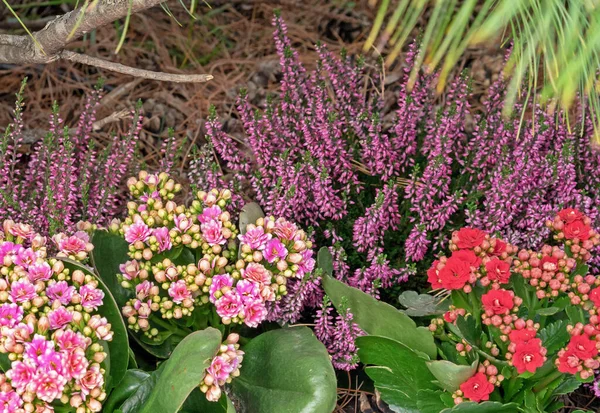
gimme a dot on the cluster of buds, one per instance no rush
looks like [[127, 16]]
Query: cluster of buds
[[480, 385], [223, 368], [501, 307], [548, 270], [49, 325], [574, 229], [580, 357]]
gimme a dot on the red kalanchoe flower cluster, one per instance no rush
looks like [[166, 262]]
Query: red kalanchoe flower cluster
[[526, 352], [581, 354]]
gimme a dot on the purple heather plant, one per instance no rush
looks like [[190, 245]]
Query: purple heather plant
[[65, 178]]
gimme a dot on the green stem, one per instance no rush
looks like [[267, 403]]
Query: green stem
[[546, 381]]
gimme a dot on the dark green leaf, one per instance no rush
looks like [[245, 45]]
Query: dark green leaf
[[178, 376], [429, 401], [286, 371], [420, 305], [569, 385], [484, 407], [547, 311], [110, 251], [131, 382], [469, 329], [450, 375], [325, 261], [555, 336], [380, 319], [397, 371], [197, 403]]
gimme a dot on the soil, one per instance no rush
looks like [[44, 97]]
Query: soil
[[231, 40]]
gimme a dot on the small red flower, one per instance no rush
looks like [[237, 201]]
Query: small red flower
[[469, 238], [568, 362], [498, 270], [499, 246], [522, 336], [433, 276], [548, 263], [570, 215], [498, 301], [528, 356], [583, 347], [595, 296], [468, 256], [577, 229], [477, 388], [455, 274]]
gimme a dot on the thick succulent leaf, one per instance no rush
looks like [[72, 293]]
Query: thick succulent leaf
[[133, 379], [484, 407], [450, 375], [285, 371], [420, 305], [168, 388], [118, 347], [397, 371], [325, 261], [380, 319], [110, 251]]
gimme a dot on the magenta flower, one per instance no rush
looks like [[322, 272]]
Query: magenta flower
[[137, 231], [69, 340], [211, 231], [254, 313], [10, 402], [275, 250], [38, 347], [286, 230], [218, 282], [182, 223], [59, 318], [220, 368], [10, 250], [179, 292], [257, 273], [229, 305], [76, 363], [142, 290], [130, 270], [60, 291], [210, 214], [255, 238], [10, 315], [41, 271], [48, 386], [25, 257], [20, 374], [91, 297], [73, 244], [307, 265], [21, 291], [248, 291], [163, 239]]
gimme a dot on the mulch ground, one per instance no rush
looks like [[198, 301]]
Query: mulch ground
[[231, 40]]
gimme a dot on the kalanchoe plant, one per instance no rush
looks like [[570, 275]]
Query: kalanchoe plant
[[522, 327], [54, 339]]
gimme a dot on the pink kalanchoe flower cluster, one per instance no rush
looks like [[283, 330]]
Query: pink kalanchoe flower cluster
[[50, 328], [224, 367]]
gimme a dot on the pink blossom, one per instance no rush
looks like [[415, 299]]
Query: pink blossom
[[91, 297], [255, 238], [10, 402], [178, 291], [10, 315], [307, 265], [38, 347], [52, 361], [182, 223], [48, 386], [142, 290], [286, 230], [229, 305], [257, 273], [69, 340], [22, 291], [25, 257], [101, 326], [21, 373], [275, 250], [137, 231], [37, 272], [211, 231], [218, 282], [130, 270], [8, 249], [248, 291], [21, 230], [91, 380], [59, 318], [254, 313], [210, 214], [71, 245], [163, 239], [76, 363], [61, 291], [220, 368]]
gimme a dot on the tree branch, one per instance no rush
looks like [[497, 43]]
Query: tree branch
[[132, 71], [48, 44]]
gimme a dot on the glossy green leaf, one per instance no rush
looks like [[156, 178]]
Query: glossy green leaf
[[450, 375], [484, 407], [397, 371], [555, 336], [420, 305], [547, 311], [569, 385], [118, 347], [110, 251], [380, 319], [131, 382], [197, 403], [429, 401], [286, 371], [325, 261]]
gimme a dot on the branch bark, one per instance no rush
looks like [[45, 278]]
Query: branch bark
[[48, 44]]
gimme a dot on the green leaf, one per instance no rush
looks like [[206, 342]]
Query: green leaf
[[429, 401], [484, 407], [169, 387], [469, 329], [547, 311], [286, 370], [249, 214], [118, 347], [575, 314], [380, 319], [567, 386], [132, 380], [197, 402], [451, 375], [554, 336], [325, 261], [398, 372], [420, 305], [5, 362], [110, 251]]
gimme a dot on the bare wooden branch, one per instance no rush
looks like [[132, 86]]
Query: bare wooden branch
[[132, 71]]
